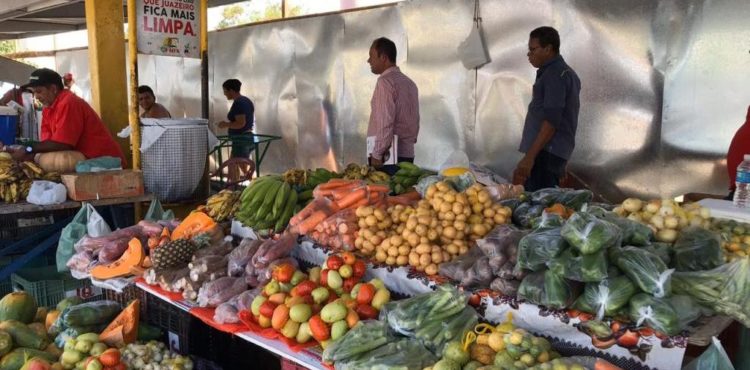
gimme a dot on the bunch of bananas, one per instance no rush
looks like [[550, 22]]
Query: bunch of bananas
[[295, 176], [16, 178], [222, 206], [319, 176], [268, 203], [354, 171], [407, 176]]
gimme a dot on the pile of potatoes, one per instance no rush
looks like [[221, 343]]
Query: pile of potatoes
[[439, 228]]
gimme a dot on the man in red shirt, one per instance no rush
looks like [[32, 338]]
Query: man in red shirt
[[737, 149], [68, 122]]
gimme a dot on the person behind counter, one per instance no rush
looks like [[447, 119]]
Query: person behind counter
[[549, 132], [68, 122], [241, 118], [147, 101], [394, 107]]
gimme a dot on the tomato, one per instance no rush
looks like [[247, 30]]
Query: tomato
[[366, 312], [334, 262], [110, 357], [324, 278], [283, 273], [365, 294], [349, 283], [359, 269], [348, 257]]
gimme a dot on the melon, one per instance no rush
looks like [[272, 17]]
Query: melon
[[19, 306], [124, 328]]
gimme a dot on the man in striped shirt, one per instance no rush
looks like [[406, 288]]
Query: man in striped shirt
[[394, 107]]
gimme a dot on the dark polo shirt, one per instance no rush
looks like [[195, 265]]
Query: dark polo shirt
[[555, 99]]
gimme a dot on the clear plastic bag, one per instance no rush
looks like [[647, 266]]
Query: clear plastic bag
[[575, 199], [633, 232], [501, 241], [537, 249], [457, 269], [241, 256], [645, 269], [585, 362], [547, 221], [607, 297], [697, 249], [549, 289], [547, 196], [687, 310], [587, 268], [525, 213], [657, 313], [589, 234], [714, 358], [46, 193], [338, 230], [403, 354], [504, 191], [220, 290]]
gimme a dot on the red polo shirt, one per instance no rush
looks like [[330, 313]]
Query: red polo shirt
[[70, 120], [737, 149]]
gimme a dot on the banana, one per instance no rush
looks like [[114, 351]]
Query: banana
[[278, 204], [270, 197]]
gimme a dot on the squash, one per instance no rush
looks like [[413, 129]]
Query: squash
[[38, 328], [124, 328], [196, 223], [19, 306], [41, 314], [61, 162], [133, 257]]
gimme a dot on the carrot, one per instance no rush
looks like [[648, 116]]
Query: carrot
[[360, 203], [343, 191], [379, 188], [333, 184], [309, 223], [413, 195], [304, 213], [352, 198]]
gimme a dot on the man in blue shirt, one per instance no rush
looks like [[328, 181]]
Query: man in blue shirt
[[549, 131], [241, 118]]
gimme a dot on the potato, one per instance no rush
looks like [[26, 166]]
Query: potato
[[439, 230], [442, 186], [390, 260], [478, 229], [380, 256], [475, 219], [449, 197], [371, 220], [421, 230], [500, 219], [402, 260], [460, 235], [431, 269], [452, 248], [379, 214], [449, 232], [423, 240], [445, 223], [483, 196], [412, 223], [446, 256], [462, 198], [471, 191], [385, 224], [366, 233], [458, 208], [488, 213], [404, 250], [450, 216], [434, 222], [375, 240], [424, 220], [477, 208], [432, 235], [404, 217], [413, 239], [463, 249], [400, 229], [423, 249], [414, 258], [419, 268], [459, 225], [436, 257], [425, 259], [365, 211], [445, 207], [381, 234], [393, 251], [437, 203], [397, 240], [368, 245], [430, 191]]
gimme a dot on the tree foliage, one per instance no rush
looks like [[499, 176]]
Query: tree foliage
[[237, 14], [7, 47]]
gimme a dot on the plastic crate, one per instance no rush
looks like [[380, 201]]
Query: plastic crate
[[130, 293], [203, 364], [175, 322], [49, 287], [14, 227]]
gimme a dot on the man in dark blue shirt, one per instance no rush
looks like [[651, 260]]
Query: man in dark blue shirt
[[549, 131], [241, 118]]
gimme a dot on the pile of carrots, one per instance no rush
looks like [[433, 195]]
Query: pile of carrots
[[334, 196], [338, 231]]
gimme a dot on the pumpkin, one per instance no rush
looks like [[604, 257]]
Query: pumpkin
[[196, 223], [19, 306], [51, 318], [133, 257], [61, 162], [124, 328]]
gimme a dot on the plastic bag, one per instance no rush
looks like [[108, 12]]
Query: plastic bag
[[472, 51], [480, 274], [697, 249], [654, 312], [80, 264], [662, 250], [46, 193], [549, 289], [547, 221], [220, 290], [687, 310], [607, 297], [156, 212], [99, 164], [575, 199], [633, 232], [589, 234], [587, 268], [457, 269], [505, 286], [504, 191], [547, 196], [361, 339], [241, 256], [584, 362], [645, 269], [502, 242], [425, 183], [403, 354], [537, 249], [524, 213], [86, 221], [714, 358]]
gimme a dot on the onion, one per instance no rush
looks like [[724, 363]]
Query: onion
[[671, 222], [632, 205], [657, 221], [666, 235], [653, 206]]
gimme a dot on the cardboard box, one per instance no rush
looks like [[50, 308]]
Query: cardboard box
[[102, 185]]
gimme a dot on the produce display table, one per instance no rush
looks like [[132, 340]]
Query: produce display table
[[24, 207], [309, 358]]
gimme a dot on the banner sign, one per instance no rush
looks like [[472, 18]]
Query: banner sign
[[169, 27]]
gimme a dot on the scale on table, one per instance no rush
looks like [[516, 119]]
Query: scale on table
[[725, 209]]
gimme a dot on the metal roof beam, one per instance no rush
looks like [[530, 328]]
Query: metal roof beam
[[14, 26]]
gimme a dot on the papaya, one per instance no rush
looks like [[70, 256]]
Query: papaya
[[194, 224], [23, 336], [38, 328], [124, 328], [6, 342], [51, 318], [91, 313], [133, 257], [41, 314], [68, 302], [19, 306]]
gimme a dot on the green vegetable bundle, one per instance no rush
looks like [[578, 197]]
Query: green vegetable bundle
[[606, 297], [633, 232], [535, 250], [657, 313], [645, 269], [725, 289], [589, 234], [403, 354], [549, 289], [587, 268], [697, 249], [363, 338]]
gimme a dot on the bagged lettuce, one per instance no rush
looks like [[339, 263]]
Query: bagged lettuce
[[525, 213], [589, 234], [657, 313], [549, 289], [547, 221], [537, 249], [403, 354], [697, 249], [633, 232], [645, 269], [687, 309], [587, 268], [663, 250], [575, 199], [607, 297], [546, 197]]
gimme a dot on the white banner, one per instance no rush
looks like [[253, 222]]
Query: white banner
[[169, 27]]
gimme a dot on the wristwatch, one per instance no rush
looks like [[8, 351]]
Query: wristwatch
[[29, 149]]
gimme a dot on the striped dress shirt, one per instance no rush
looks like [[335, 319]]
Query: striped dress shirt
[[394, 111]]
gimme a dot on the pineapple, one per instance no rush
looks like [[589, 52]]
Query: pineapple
[[176, 253]]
